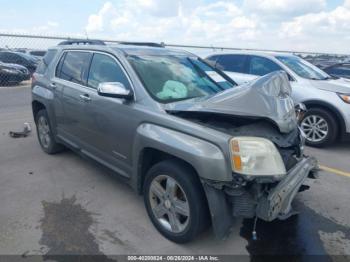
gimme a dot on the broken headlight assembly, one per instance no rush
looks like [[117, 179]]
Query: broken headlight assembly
[[255, 156]]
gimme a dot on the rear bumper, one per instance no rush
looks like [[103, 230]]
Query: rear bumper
[[278, 202], [227, 201]]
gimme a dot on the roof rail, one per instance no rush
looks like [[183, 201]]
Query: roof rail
[[162, 45], [82, 42]]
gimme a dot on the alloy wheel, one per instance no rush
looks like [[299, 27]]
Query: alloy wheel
[[169, 204], [44, 132], [315, 128]]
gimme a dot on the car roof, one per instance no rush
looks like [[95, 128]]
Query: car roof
[[146, 50], [249, 52], [128, 49]]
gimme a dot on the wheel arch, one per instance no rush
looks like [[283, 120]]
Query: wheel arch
[[150, 156], [332, 109], [36, 107]]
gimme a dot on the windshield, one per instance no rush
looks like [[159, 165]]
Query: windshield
[[170, 78], [303, 68]]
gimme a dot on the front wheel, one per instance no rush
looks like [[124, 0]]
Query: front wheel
[[320, 127], [175, 201]]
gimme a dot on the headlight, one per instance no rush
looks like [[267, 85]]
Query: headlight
[[345, 98], [254, 156]]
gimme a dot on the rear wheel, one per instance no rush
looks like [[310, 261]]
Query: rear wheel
[[46, 138], [320, 127], [175, 201]]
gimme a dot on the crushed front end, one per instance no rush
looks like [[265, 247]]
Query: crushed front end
[[267, 195], [266, 150], [264, 199]]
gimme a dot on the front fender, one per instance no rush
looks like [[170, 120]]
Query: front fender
[[205, 157]]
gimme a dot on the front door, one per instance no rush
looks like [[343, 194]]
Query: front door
[[108, 123]]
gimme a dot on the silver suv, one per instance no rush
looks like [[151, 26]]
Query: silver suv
[[200, 149], [327, 98]]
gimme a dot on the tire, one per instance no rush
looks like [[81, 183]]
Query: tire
[[326, 131], [46, 138], [193, 201]]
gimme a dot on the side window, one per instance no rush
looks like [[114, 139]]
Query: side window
[[15, 58], [5, 57], [232, 63], [105, 69], [261, 66], [59, 66], [339, 70], [45, 62], [212, 58], [73, 67]]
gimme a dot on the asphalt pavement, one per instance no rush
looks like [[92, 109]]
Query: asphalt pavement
[[65, 204]]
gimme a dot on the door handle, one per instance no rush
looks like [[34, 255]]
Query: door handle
[[85, 97]]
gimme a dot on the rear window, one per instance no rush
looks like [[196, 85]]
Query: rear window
[[73, 67], [46, 61]]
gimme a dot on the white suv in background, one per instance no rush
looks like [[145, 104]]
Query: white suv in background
[[327, 98]]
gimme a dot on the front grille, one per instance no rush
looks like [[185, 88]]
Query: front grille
[[243, 205]]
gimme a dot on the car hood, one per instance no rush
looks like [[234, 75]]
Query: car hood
[[340, 85], [267, 97]]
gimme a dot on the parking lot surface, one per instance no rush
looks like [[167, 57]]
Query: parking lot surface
[[64, 204]]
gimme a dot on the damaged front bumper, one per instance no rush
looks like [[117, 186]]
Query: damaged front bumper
[[277, 204], [265, 201]]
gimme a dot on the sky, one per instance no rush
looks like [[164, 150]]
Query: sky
[[296, 25]]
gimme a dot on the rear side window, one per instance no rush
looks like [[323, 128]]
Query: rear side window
[[105, 69], [74, 66], [46, 61], [261, 66], [7, 57], [339, 70], [232, 63]]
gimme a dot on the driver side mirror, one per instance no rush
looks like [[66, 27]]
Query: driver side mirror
[[114, 89]]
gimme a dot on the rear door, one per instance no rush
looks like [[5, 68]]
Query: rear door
[[71, 83]]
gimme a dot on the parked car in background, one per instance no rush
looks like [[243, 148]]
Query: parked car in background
[[33, 52], [200, 149], [25, 60], [13, 74], [338, 70], [327, 98], [37, 53]]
